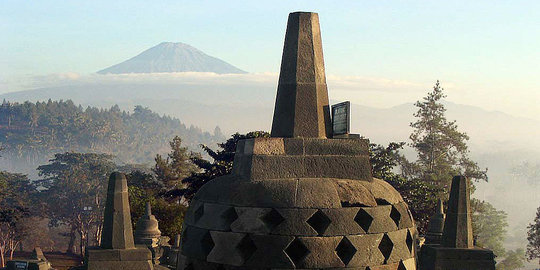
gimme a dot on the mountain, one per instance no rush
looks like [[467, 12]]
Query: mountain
[[244, 107], [172, 57]]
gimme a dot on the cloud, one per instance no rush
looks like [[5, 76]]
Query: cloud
[[378, 92]]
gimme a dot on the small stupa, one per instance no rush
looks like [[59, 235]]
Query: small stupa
[[147, 229], [301, 199], [118, 250], [456, 250], [436, 226]]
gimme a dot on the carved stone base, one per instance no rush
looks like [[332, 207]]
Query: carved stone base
[[435, 257], [138, 258]]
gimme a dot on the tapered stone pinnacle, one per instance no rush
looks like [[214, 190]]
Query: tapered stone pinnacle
[[117, 229], [301, 108], [458, 224]]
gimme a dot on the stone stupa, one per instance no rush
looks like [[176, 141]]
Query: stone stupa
[[300, 199], [436, 226], [147, 233], [118, 250], [456, 250]]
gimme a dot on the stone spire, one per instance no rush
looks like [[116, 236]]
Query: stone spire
[[147, 231], [302, 97], [458, 225], [117, 230], [436, 225]]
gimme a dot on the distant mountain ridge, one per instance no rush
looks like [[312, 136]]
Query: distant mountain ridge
[[172, 57]]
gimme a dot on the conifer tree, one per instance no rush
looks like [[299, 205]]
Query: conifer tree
[[441, 148], [533, 238]]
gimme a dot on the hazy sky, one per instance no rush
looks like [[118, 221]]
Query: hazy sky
[[486, 53]]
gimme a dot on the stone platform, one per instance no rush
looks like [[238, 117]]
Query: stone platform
[[138, 258], [442, 258]]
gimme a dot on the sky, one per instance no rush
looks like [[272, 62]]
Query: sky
[[486, 53]]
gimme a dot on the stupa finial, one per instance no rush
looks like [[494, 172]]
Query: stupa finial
[[301, 108]]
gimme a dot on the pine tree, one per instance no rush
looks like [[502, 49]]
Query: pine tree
[[441, 147], [533, 237]]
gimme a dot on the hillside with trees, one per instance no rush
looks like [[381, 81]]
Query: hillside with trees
[[31, 133]]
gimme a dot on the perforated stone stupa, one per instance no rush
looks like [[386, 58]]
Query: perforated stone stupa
[[299, 199]]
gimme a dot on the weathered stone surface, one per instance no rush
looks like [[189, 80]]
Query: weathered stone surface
[[147, 232], [216, 217], [294, 222], [344, 167], [406, 219], [117, 230], [314, 193], [302, 108], [353, 193], [321, 253], [196, 242], [117, 249], [458, 225], [231, 248], [381, 219], [368, 252], [322, 147], [383, 192], [120, 265], [342, 222], [400, 248], [270, 252], [436, 226], [250, 220], [444, 258]]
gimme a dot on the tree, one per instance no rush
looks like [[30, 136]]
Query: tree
[[441, 148], [533, 238], [489, 226], [420, 196], [175, 167], [221, 164], [514, 259], [75, 190], [16, 200]]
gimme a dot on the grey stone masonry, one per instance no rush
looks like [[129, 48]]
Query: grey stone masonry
[[457, 231], [436, 226], [456, 251], [299, 199], [118, 251], [302, 97], [117, 229]]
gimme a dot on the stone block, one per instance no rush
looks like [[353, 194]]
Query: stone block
[[294, 222], [342, 222], [315, 146], [316, 193], [268, 146], [216, 217], [196, 242], [294, 146], [120, 265], [406, 220], [250, 220], [281, 167], [381, 221], [275, 193], [383, 192], [367, 250], [343, 167], [321, 252], [402, 248], [231, 248], [270, 252], [353, 193]]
